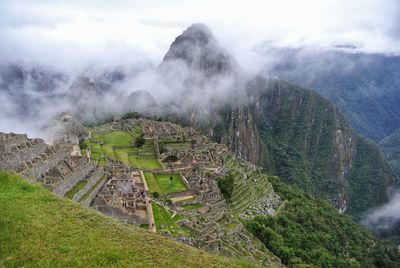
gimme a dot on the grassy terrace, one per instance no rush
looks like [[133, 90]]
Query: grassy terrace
[[164, 181], [130, 156], [89, 192], [161, 183], [248, 190], [40, 229], [77, 187], [152, 183], [192, 206], [146, 163], [164, 220]]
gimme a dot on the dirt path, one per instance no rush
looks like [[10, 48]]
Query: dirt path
[[150, 216], [149, 208], [181, 198]]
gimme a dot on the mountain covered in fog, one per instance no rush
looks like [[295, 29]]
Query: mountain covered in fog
[[391, 148], [366, 87], [292, 132]]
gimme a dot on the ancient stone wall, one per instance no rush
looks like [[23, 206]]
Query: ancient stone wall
[[26, 152], [73, 178], [88, 201], [10, 140], [36, 171], [117, 213]]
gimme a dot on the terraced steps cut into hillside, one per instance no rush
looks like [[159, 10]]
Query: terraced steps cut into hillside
[[250, 185], [94, 178], [55, 166]]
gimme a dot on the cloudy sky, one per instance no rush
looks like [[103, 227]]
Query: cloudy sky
[[72, 32]]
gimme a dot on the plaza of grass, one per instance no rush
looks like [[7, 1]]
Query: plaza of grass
[[119, 145]]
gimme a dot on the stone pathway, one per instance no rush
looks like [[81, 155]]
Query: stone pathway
[[149, 208], [181, 198]]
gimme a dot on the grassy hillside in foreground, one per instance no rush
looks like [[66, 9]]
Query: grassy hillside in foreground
[[40, 229]]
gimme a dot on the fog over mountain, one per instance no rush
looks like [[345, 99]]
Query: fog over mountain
[[364, 86], [47, 46], [71, 34]]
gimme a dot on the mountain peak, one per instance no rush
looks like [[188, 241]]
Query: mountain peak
[[199, 34], [199, 50]]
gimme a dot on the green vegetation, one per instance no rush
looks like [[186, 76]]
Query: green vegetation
[[116, 138], [82, 144], [139, 141], [152, 183], [226, 185], [122, 155], [77, 187], [131, 115], [161, 183], [310, 231], [391, 148], [249, 185], [191, 206], [119, 145], [40, 229], [146, 163], [364, 171], [170, 186], [97, 152], [306, 141], [89, 192], [164, 220]]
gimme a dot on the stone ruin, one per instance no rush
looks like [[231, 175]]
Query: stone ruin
[[163, 130], [204, 155], [52, 165], [124, 195], [200, 162]]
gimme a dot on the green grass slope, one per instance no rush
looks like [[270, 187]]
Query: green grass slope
[[308, 142], [40, 229]]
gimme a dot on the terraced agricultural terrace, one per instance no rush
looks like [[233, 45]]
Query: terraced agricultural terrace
[[117, 144]]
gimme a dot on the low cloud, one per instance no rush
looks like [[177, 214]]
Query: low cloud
[[74, 33], [95, 39], [386, 217]]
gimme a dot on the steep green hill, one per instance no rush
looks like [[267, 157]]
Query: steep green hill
[[292, 132], [391, 148], [298, 228], [40, 229], [303, 138], [364, 86], [309, 231]]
